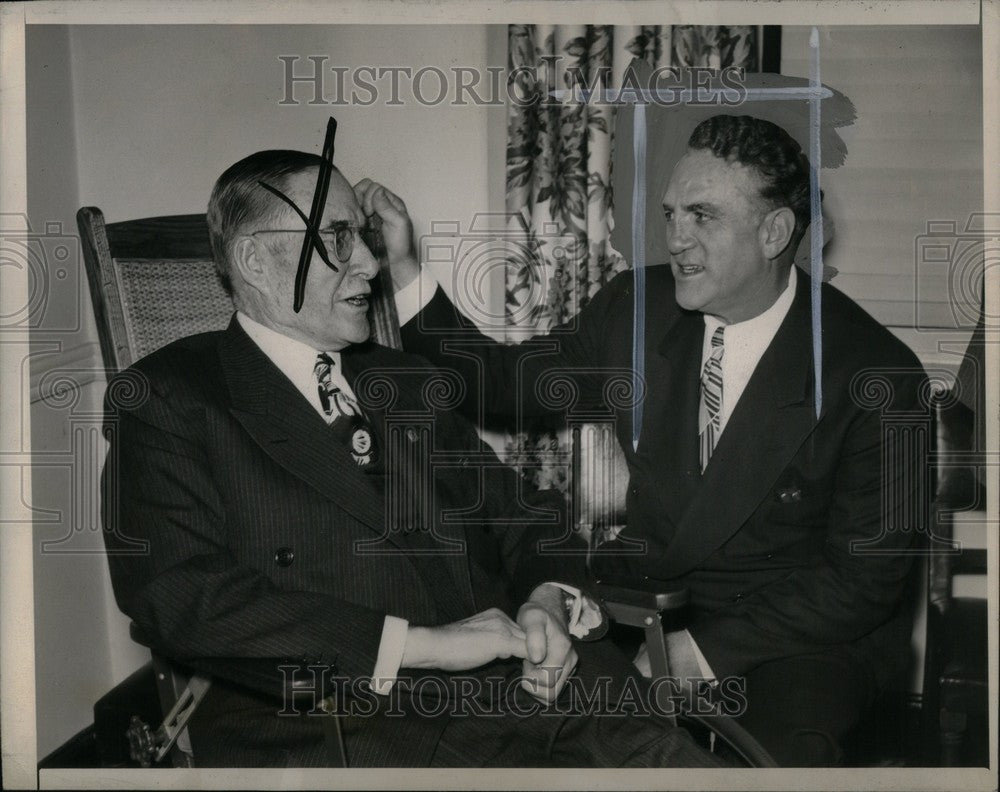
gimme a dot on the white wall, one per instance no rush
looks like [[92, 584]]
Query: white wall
[[81, 641], [139, 121], [162, 111], [915, 155]]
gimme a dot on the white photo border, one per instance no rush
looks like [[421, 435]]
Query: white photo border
[[17, 676]]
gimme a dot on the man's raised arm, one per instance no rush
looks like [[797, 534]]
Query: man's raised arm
[[502, 380]]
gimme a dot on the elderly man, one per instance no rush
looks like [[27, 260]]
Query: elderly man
[[287, 523], [790, 530]]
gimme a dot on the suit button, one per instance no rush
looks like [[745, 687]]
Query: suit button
[[284, 556], [770, 556], [738, 597], [793, 495]]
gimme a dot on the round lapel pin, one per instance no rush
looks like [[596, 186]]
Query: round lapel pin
[[361, 445]]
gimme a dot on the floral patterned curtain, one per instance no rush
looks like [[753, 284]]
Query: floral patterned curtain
[[559, 160]]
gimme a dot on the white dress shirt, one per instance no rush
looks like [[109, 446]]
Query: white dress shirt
[[744, 344], [296, 361]]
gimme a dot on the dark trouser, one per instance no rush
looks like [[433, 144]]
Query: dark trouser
[[238, 728], [801, 708], [598, 733]]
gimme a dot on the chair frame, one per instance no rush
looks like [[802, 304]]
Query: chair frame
[[597, 504], [947, 725], [647, 611]]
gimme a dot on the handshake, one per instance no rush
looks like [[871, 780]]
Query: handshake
[[540, 637]]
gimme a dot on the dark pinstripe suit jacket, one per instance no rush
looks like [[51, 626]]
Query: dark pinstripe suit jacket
[[237, 526]]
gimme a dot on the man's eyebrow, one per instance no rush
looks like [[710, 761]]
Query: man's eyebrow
[[698, 206]]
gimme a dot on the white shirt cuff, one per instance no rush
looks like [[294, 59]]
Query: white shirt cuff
[[414, 296], [390, 654], [706, 669], [583, 615]]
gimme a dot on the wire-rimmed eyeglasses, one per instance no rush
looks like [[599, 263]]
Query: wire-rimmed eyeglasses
[[339, 239]]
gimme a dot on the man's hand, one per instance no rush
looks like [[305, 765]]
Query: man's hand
[[397, 229], [466, 644], [551, 657]]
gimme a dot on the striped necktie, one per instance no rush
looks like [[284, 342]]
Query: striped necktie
[[710, 409], [343, 413], [334, 401]]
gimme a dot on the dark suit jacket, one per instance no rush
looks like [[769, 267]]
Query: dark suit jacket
[[238, 526], [795, 539]]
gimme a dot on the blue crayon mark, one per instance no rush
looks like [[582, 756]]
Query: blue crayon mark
[[682, 96], [816, 223], [815, 93], [638, 268]]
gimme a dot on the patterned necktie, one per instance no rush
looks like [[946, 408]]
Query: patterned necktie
[[343, 413], [710, 409]]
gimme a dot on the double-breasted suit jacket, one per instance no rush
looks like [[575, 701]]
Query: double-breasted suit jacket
[[796, 538], [239, 526]]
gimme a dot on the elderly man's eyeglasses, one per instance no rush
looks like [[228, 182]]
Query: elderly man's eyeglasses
[[312, 239], [339, 239]]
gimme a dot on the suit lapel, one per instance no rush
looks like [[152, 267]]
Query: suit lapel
[[669, 440], [292, 433], [772, 419]]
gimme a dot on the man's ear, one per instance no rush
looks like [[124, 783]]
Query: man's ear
[[776, 231], [248, 263]]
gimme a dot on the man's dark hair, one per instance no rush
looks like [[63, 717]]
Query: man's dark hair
[[770, 151], [238, 202]]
